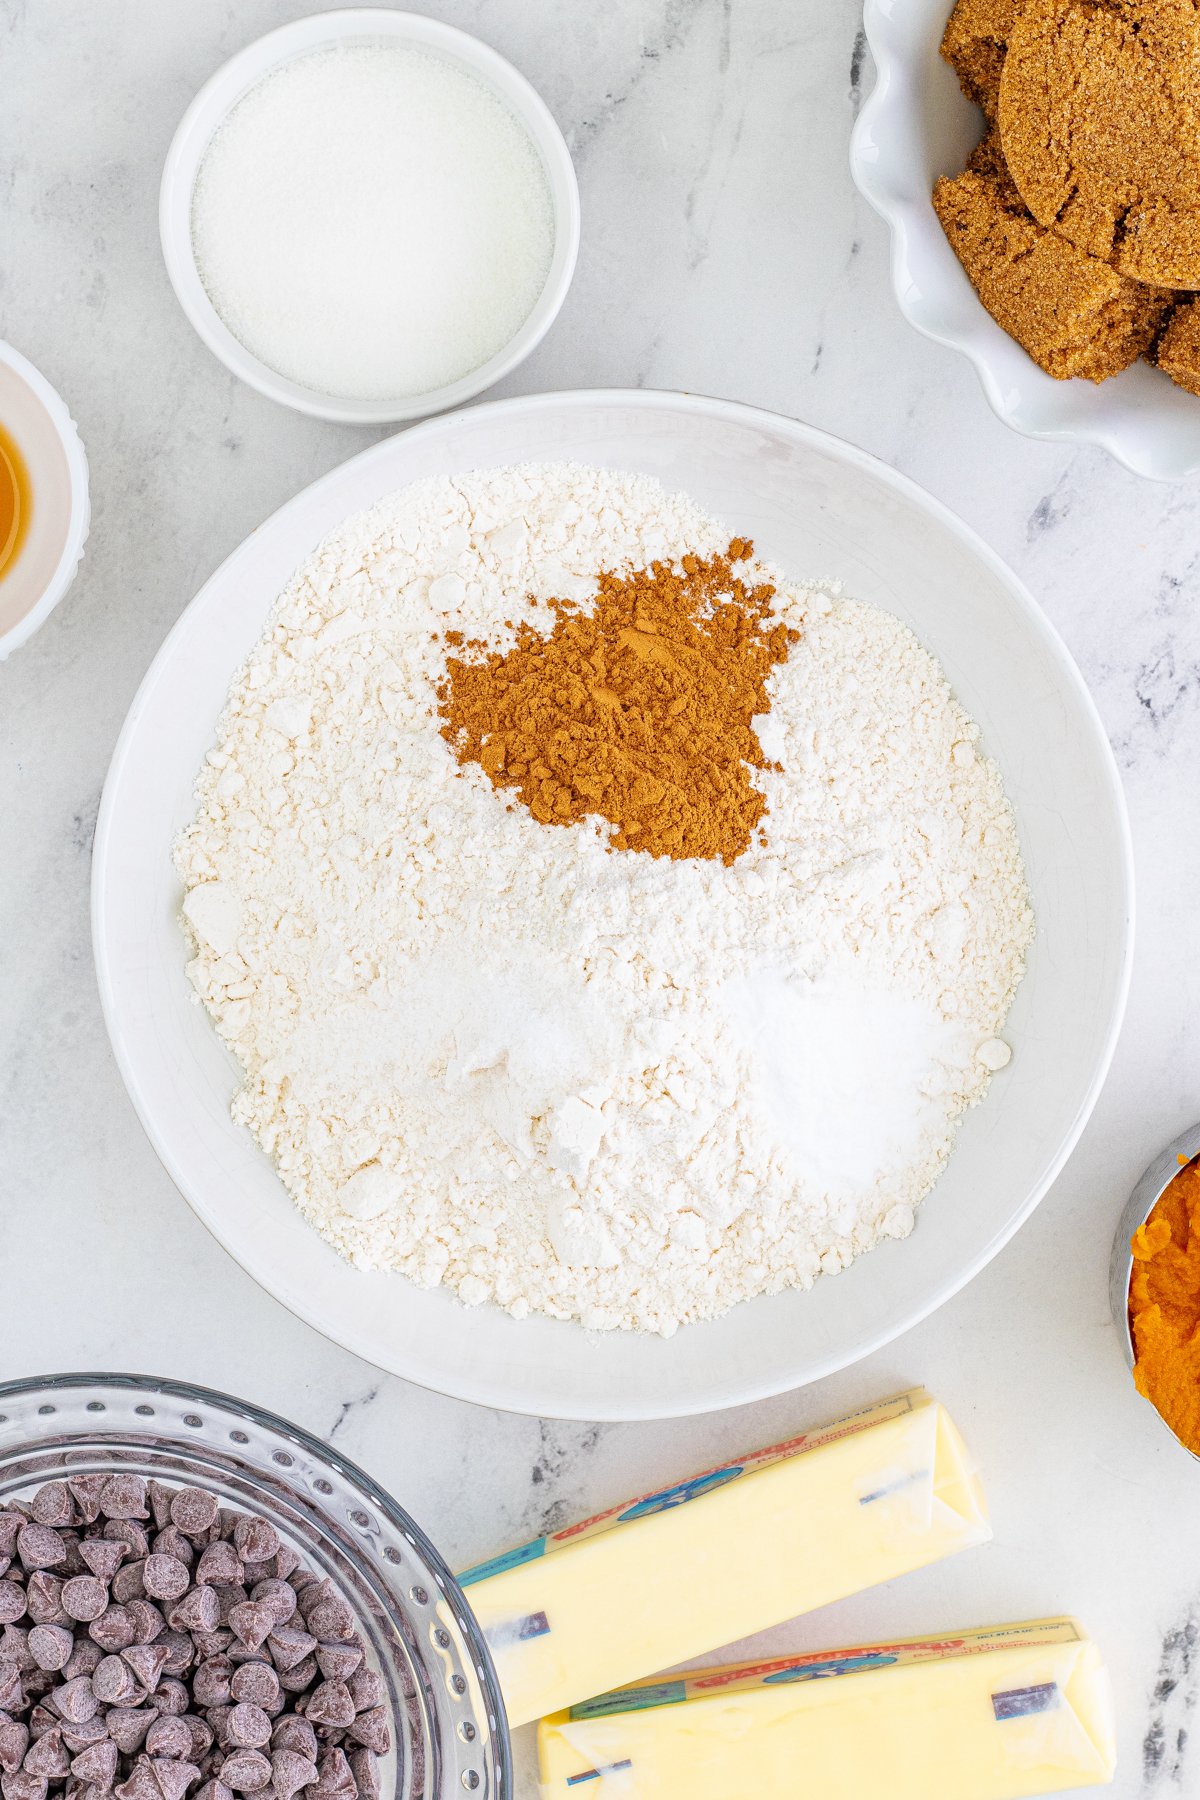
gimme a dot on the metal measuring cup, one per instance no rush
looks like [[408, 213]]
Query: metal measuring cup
[[1141, 1203]]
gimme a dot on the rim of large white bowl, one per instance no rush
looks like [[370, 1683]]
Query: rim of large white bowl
[[891, 100], [221, 92], [80, 520], [482, 1390]]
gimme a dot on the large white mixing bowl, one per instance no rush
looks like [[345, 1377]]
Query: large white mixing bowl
[[819, 507]]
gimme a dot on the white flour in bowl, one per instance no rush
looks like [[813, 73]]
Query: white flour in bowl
[[601, 1085]]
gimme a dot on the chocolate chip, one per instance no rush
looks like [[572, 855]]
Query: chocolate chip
[[103, 1556], [84, 1598], [280, 1596], [169, 1736], [286, 1562], [193, 1510], [148, 1621], [85, 1734], [335, 1780], [129, 1534], [50, 1646], [365, 1769], [140, 1783], [290, 1773], [146, 1662], [255, 1682], [48, 1757], [85, 1658], [211, 1681], [330, 1704], [124, 1497], [172, 1542], [75, 1700], [371, 1729], [199, 1610], [86, 1491], [128, 1725], [43, 1599], [255, 1540], [10, 1525], [114, 1629], [246, 1771], [127, 1583], [12, 1602], [14, 1741], [174, 1777], [165, 1577], [296, 1679], [219, 1565], [366, 1690], [22, 1786], [40, 1546], [114, 1682], [253, 1621], [181, 1652], [97, 1764], [201, 1733], [247, 1727], [288, 1646], [52, 1504], [170, 1696], [294, 1733], [330, 1620], [42, 1720], [214, 1790], [14, 1647], [337, 1662]]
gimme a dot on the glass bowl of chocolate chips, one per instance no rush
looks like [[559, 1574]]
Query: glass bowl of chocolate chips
[[198, 1601]]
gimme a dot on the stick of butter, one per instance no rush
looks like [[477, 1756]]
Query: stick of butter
[[668, 1577], [987, 1715]]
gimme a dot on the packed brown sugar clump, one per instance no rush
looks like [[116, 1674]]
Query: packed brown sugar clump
[[1075, 221], [637, 708], [1100, 118], [1072, 313]]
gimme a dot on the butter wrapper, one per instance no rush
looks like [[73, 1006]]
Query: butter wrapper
[[999, 1713], [673, 1574]]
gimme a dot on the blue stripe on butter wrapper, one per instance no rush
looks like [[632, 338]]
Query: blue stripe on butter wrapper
[[512, 1559], [650, 1693], [1018, 1703], [896, 1487], [595, 1774]]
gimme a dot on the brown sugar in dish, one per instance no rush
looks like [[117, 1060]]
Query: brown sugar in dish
[[974, 44], [638, 708], [1178, 351], [1099, 116], [1071, 312]]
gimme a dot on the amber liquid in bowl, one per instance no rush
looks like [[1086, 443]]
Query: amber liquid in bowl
[[16, 500]]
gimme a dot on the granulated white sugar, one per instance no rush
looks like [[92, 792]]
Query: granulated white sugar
[[372, 222], [499, 1055]]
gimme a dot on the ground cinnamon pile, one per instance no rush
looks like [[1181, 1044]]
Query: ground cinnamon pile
[[636, 708], [1164, 1305]]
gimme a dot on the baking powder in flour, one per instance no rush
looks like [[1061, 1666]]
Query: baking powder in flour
[[492, 1053]]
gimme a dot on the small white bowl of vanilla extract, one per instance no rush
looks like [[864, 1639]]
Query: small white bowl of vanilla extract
[[44, 510]]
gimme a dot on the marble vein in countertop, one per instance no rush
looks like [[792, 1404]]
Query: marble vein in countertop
[[1165, 1759]]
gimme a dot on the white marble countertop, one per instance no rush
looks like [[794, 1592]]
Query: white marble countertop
[[724, 250]]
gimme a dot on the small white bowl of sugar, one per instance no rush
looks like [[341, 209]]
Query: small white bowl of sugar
[[369, 215]]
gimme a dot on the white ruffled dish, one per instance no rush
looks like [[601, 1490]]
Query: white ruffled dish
[[915, 126]]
